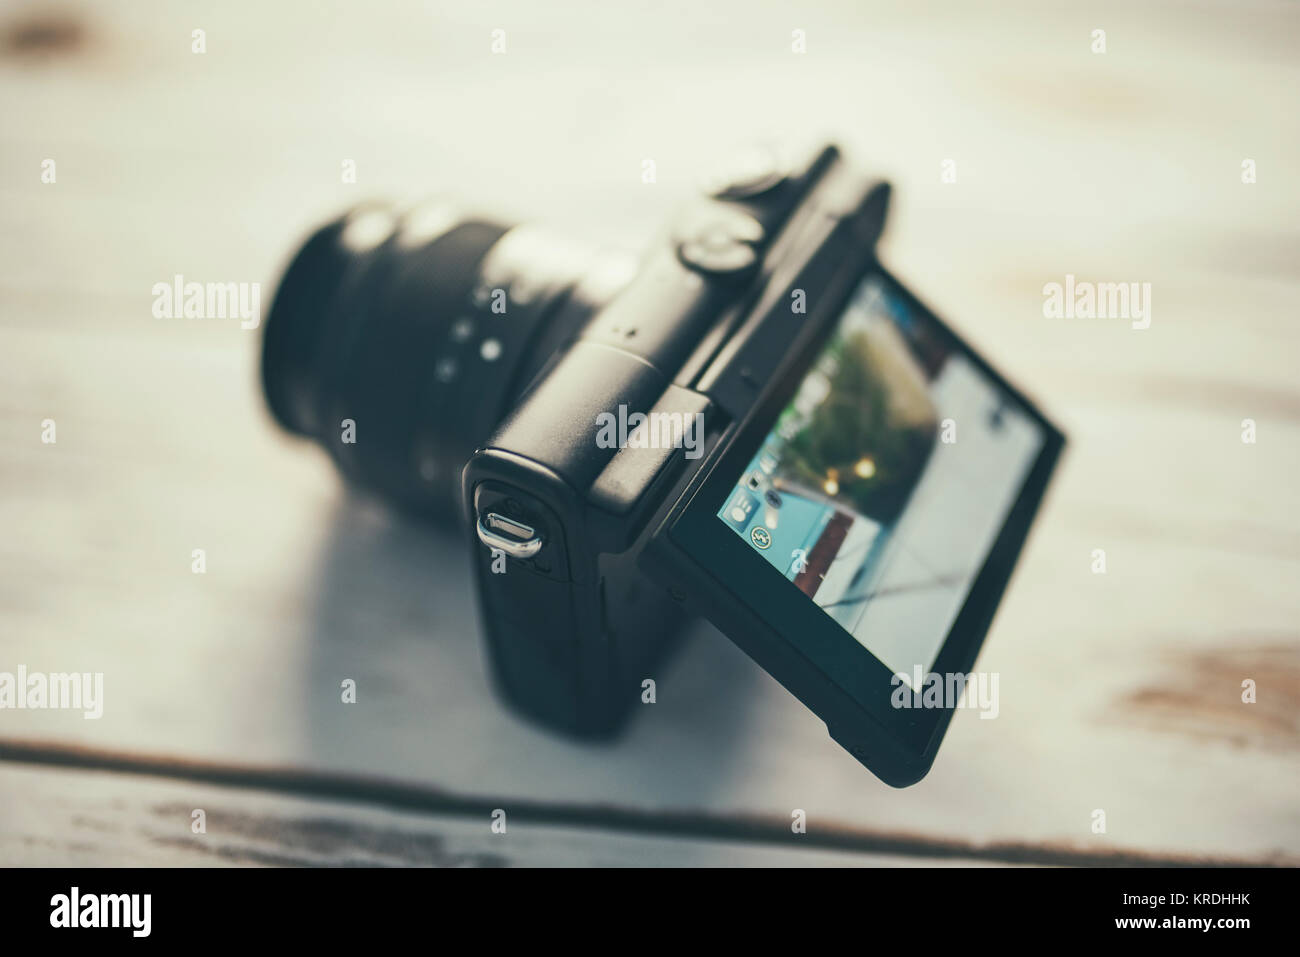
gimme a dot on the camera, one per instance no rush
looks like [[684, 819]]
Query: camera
[[755, 423]]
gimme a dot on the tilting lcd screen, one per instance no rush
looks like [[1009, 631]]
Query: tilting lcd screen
[[884, 483]]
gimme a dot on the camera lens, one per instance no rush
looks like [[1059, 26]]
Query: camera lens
[[399, 340]]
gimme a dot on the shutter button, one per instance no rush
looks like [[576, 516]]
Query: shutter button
[[749, 173], [721, 242]]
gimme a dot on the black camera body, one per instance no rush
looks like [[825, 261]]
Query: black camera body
[[575, 626], [643, 443]]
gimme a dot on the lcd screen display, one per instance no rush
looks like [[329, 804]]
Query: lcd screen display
[[885, 480]]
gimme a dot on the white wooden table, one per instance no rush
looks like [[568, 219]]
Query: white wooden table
[[1119, 692]]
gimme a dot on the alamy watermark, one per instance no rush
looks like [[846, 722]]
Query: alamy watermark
[[58, 691], [1098, 300], [128, 911], [657, 430], [978, 690], [179, 299]]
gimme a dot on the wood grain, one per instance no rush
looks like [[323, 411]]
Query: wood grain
[[85, 819]]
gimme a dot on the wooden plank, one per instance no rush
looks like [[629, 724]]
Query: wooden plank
[[96, 819], [1119, 692]]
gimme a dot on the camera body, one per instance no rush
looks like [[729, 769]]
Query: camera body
[[722, 306], [756, 424]]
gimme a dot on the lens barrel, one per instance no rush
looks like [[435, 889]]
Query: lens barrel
[[398, 340]]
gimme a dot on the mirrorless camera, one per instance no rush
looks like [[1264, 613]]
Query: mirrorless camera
[[755, 423]]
